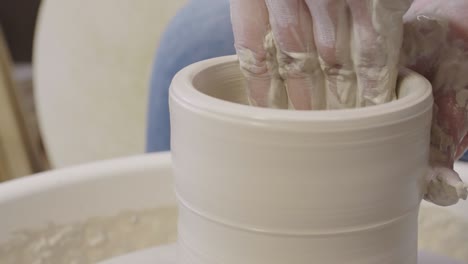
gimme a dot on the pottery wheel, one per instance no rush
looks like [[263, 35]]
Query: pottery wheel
[[167, 255]]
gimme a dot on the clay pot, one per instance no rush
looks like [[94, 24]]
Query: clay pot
[[267, 186]]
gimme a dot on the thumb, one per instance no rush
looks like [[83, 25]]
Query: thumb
[[444, 187]]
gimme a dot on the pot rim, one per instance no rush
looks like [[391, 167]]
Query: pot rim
[[418, 101]]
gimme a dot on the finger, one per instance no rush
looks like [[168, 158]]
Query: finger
[[332, 38], [444, 187], [376, 41], [291, 24], [250, 22]]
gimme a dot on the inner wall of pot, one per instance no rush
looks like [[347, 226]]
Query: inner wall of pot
[[226, 82]]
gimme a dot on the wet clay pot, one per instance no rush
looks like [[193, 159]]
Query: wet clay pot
[[269, 186]]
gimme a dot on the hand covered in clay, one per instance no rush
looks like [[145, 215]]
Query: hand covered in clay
[[326, 54], [436, 46], [319, 54]]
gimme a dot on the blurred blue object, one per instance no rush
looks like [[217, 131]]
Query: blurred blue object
[[464, 157], [201, 30]]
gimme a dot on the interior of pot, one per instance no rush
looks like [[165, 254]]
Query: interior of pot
[[223, 81], [226, 82]]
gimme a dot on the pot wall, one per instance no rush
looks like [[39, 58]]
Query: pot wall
[[278, 186]]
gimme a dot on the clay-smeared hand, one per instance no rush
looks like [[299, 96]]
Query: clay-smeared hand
[[319, 54], [436, 46], [325, 54]]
